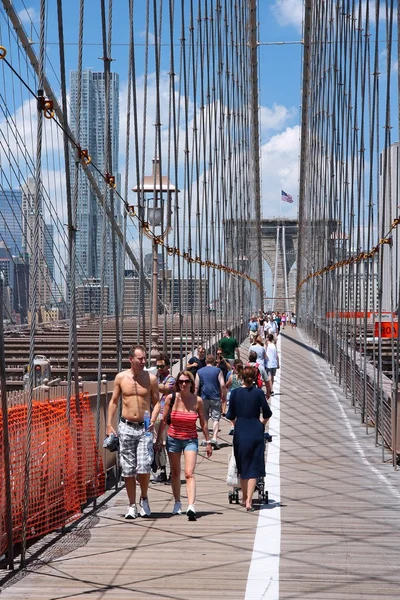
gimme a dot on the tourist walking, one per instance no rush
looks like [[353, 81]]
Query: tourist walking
[[138, 389], [222, 364], [249, 410], [197, 362], [253, 329], [261, 375], [272, 327], [181, 411], [229, 346], [210, 385], [259, 349], [272, 360], [166, 385], [235, 380]]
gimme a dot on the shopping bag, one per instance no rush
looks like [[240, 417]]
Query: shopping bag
[[232, 478], [162, 457]]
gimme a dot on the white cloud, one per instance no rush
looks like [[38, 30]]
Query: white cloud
[[279, 168], [150, 111], [275, 118], [289, 12], [152, 38], [372, 13], [28, 15]]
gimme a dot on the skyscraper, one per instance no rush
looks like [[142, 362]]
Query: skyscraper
[[91, 136], [31, 237], [48, 248], [10, 220]]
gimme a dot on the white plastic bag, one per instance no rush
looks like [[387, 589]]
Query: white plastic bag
[[232, 478]]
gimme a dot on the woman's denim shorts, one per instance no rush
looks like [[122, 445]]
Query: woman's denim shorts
[[175, 445]]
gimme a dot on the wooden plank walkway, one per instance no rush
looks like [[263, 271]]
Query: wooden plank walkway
[[340, 530]]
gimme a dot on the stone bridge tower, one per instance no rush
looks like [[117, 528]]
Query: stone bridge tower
[[279, 249]]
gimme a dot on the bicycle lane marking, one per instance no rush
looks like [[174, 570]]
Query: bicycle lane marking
[[263, 577]]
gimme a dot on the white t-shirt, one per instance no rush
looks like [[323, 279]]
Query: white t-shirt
[[272, 356], [271, 327], [260, 351]]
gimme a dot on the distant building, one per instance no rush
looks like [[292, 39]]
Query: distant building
[[49, 314], [360, 293], [92, 137], [7, 274], [11, 220], [388, 210], [33, 237], [48, 248], [186, 295], [148, 263], [88, 298], [21, 288]]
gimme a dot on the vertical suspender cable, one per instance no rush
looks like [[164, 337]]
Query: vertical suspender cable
[[397, 291], [72, 337], [127, 157], [6, 476], [256, 140], [141, 278], [110, 162], [302, 249], [276, 267], [285, 275], [387, 198], [35, 285]]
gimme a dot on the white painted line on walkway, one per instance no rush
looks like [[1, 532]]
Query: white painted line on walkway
[[349, 427], [263, 577]]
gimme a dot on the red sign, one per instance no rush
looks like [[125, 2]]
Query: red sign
[[386, 329], [349, 315]]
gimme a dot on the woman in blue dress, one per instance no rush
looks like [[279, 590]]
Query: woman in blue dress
[[250, 411]]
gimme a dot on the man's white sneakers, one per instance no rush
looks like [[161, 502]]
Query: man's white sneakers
[[145, 510], [132, 512]]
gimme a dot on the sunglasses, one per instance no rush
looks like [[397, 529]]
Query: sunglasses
[[184, 380], [160, 366]]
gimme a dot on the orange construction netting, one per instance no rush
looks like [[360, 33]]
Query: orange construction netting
[[65, 468]]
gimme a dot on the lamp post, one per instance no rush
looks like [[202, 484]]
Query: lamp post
[[156, 211]]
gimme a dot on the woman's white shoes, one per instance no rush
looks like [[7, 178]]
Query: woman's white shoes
[[191, 513]]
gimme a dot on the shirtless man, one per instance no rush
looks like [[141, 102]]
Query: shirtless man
[[139, 389]]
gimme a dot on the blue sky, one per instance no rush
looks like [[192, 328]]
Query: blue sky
[[280, 55], [279, 69]]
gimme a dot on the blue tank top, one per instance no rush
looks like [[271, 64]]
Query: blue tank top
[[209, 384]]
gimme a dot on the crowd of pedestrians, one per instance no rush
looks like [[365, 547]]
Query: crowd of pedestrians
[[162, 415]]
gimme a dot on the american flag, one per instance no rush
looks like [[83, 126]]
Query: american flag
[[286, 197]]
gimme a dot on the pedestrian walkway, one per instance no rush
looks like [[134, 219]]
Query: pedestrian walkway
[[330, 532]]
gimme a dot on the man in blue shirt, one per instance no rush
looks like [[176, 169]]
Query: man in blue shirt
[[253, 329], [210, 385]]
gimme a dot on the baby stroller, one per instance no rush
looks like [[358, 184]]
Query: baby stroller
[[233, 495]]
